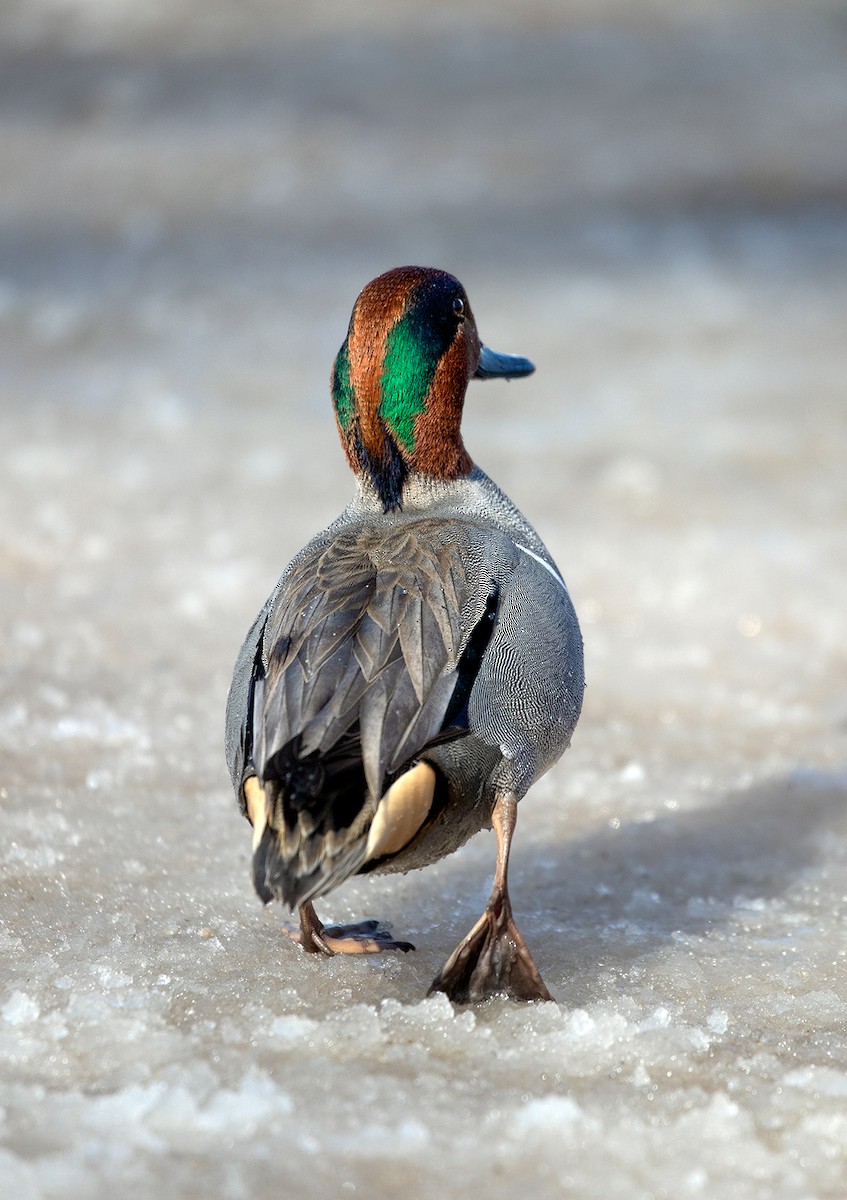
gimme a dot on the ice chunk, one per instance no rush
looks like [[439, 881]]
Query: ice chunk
[[548, 1115], [717, 1021], [20, 1009]]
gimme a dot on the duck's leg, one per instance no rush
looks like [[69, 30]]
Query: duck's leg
[[494, 959], [365, 937]]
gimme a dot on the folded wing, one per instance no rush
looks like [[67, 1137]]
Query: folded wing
[[363, 649]]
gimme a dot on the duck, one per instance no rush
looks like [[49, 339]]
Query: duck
[[419, 664]]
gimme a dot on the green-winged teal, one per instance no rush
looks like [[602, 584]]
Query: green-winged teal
[[419, 664]]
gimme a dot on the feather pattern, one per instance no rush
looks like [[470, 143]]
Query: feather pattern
[[363, 646]]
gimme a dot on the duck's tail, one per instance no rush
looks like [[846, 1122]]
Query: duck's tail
[[310, 818]]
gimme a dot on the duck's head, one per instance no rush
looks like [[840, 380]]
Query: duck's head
[[399, 380]]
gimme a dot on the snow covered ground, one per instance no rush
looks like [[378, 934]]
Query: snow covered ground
[[650, 206]]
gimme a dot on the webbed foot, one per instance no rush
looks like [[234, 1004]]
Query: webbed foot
[[364, 937], [493, 960]]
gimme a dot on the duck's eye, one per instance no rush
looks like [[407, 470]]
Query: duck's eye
[[459, 308]]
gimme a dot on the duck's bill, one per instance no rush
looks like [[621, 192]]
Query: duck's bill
[[502, 366]]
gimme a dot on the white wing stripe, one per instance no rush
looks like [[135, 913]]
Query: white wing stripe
[[544, 564]]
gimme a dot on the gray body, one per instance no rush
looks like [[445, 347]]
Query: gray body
[[526, 698]]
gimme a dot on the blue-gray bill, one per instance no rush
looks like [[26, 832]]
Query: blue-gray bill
[[502, 366]]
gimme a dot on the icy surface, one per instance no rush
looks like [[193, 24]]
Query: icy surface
[[651, 206]]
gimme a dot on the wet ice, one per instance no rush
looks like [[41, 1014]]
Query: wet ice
[[167, 444]]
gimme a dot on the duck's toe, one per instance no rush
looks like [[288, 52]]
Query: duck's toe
[[492, 960], [363, 937]]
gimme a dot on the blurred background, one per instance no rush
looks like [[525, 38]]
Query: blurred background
[[650, 201]]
